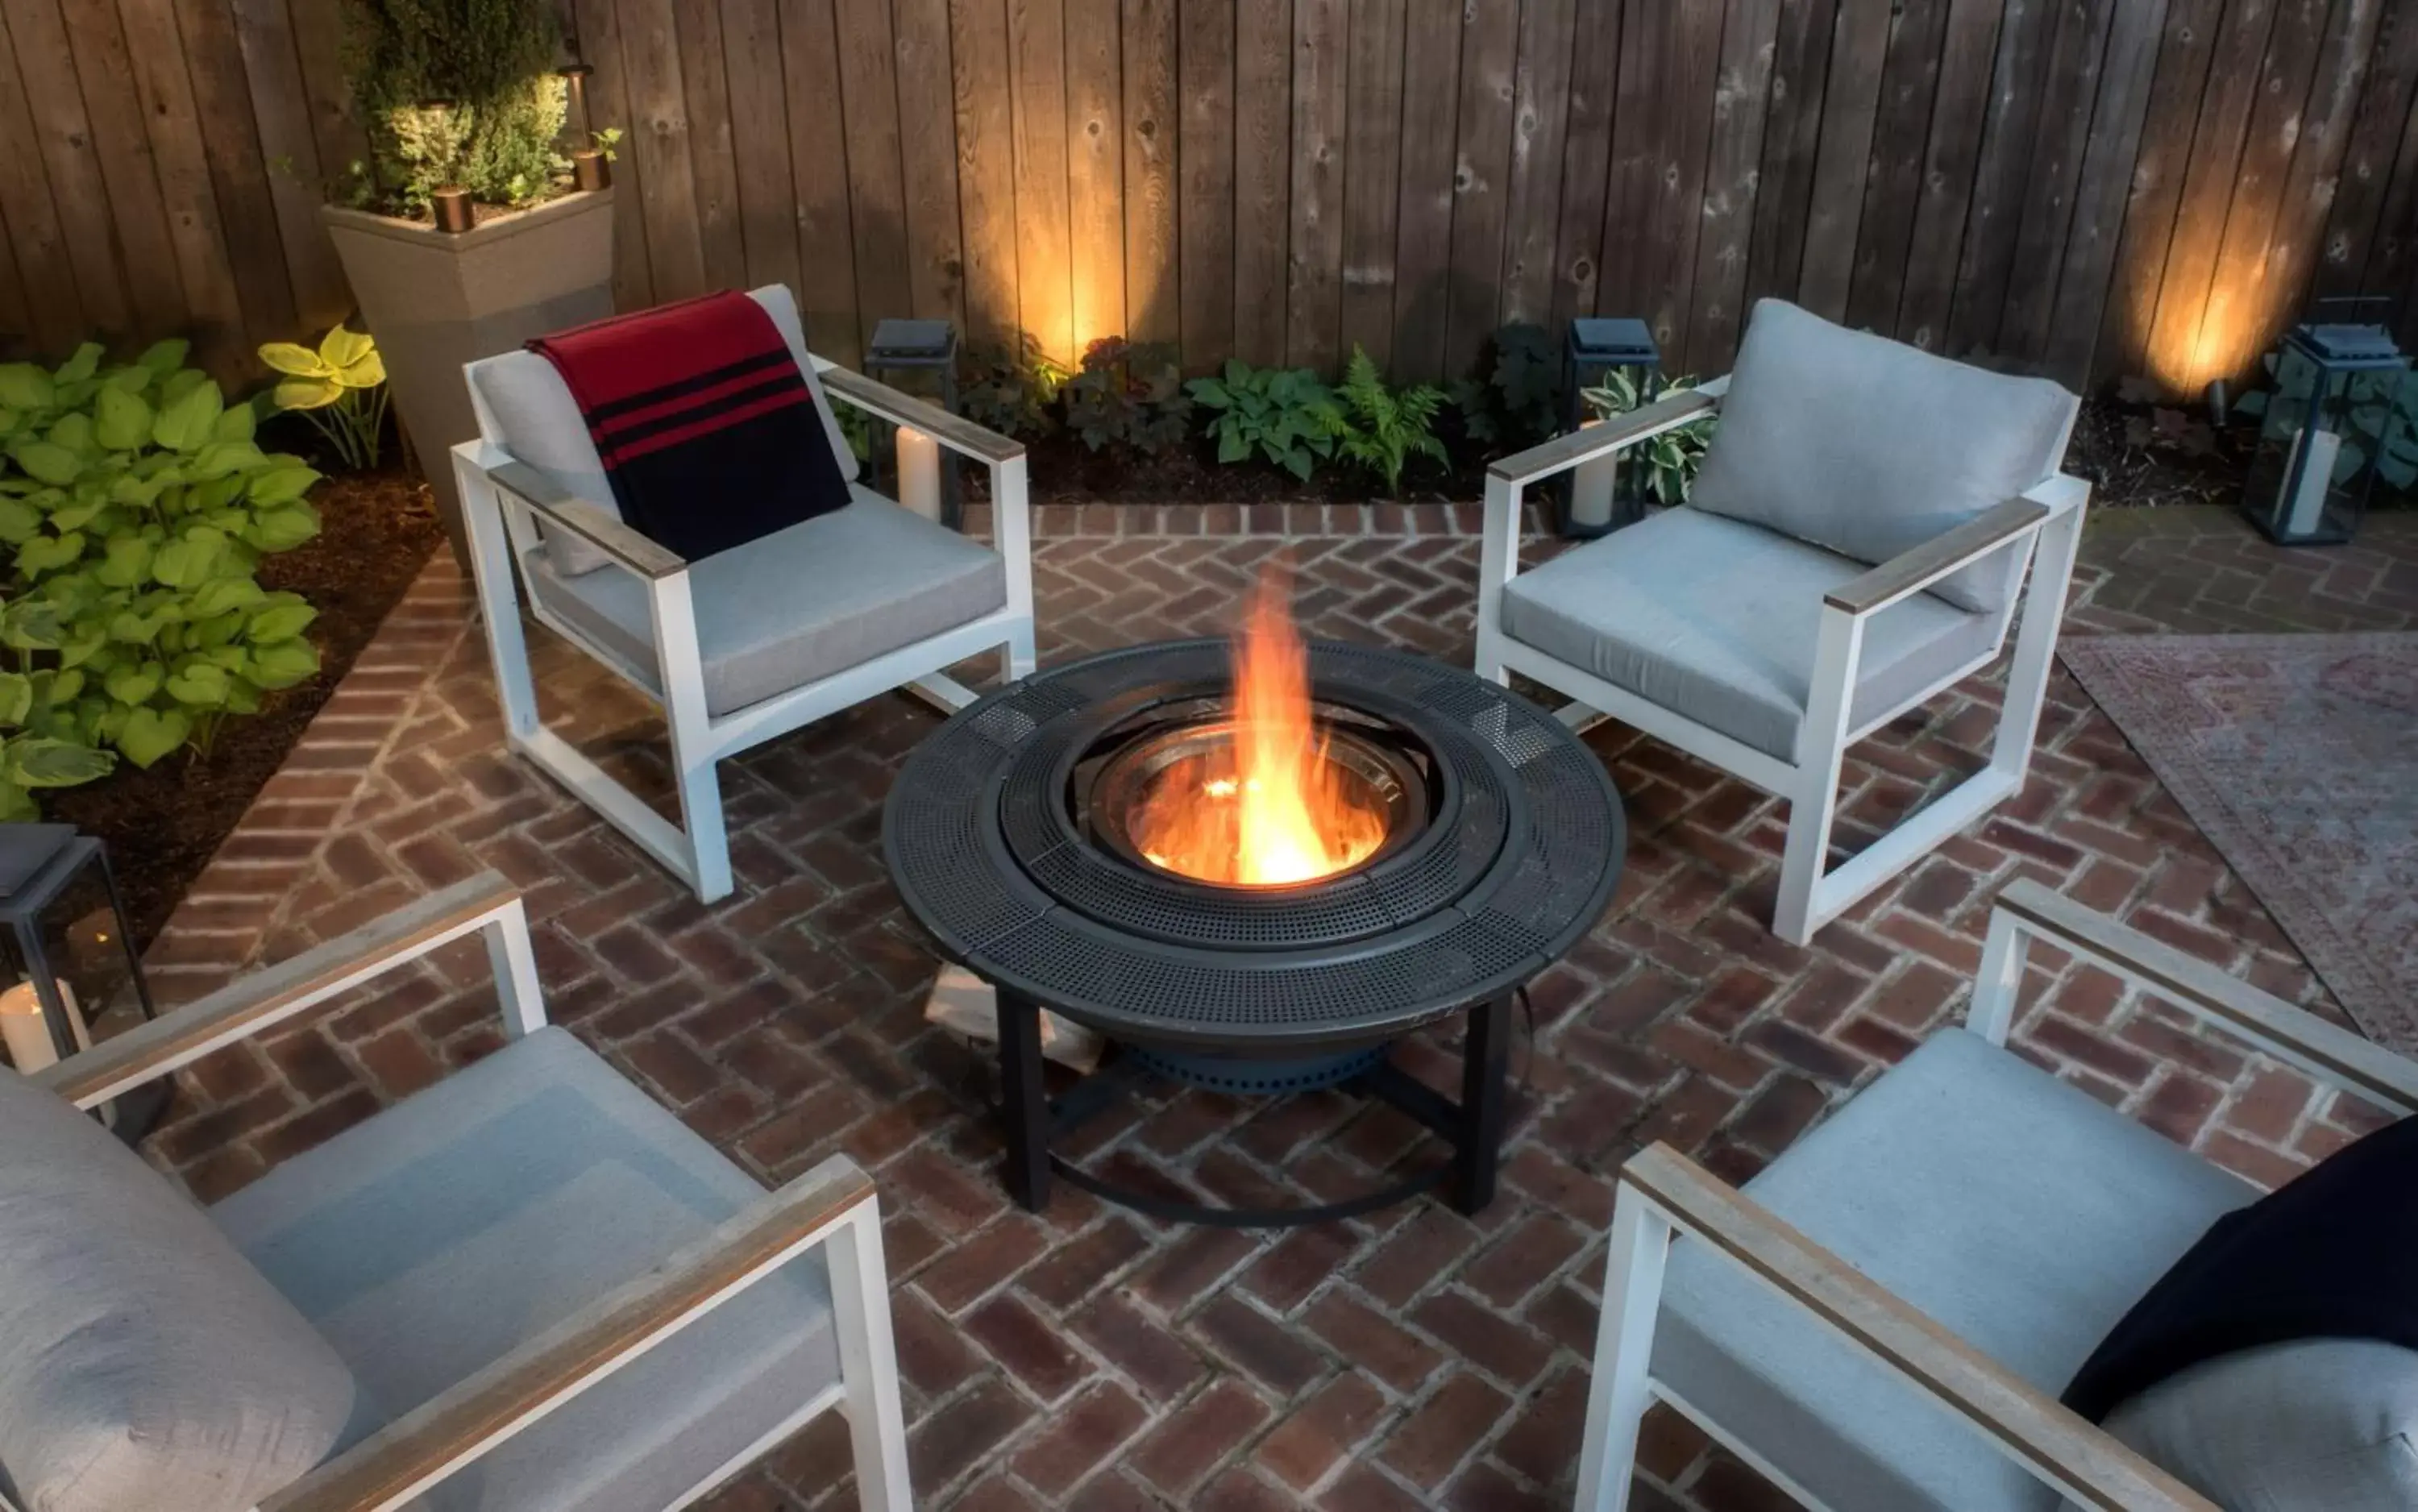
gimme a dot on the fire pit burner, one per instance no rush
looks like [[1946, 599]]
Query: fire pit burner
[[1010, 836]]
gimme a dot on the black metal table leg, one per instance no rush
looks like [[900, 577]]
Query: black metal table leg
[[1485, 1056], [1024, 1103]]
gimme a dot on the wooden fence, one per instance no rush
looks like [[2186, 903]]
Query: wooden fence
[[2088, 187]]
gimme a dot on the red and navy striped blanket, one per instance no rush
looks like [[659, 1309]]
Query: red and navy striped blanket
[[707, 433]]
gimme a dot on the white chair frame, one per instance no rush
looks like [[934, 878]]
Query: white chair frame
[[2046, 520], [1662, 1195], [502, 501], [832, 1206]]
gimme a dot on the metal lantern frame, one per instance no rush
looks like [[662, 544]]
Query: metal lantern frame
[[38, 865], [2287, 501], [1593, 347], [918, 347]]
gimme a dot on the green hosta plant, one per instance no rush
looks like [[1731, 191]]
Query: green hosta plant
[[1664, 466], [1385, 428], [340, 388], [136, 506], [1285, 414]]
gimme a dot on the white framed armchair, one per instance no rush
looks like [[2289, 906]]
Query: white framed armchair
[[745, 646], [526, 1286], [1856, 543], [1885, 1317]]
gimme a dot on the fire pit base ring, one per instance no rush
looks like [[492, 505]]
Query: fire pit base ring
[[1246, 1078]]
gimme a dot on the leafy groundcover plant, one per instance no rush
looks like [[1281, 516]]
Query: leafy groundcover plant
[[1286, 415], [136, 506], [1384, 428], [1662, 466], [340, 388]]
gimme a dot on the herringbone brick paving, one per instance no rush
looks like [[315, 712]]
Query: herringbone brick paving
[[1086, 1358]]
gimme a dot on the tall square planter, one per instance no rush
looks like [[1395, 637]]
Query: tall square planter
[[437, 299]]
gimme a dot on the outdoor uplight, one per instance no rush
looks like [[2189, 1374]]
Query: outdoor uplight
[[922, 356], [1595, 349], [2329, 425], [590, 170], [70, 949]]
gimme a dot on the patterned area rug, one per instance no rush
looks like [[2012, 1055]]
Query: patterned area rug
[[2297, 756]]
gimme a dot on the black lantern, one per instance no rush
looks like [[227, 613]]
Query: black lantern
[[2327, 421], [922, 354], [70, 948], [1587, 501]]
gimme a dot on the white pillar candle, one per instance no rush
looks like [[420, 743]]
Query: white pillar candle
[[919, 472], [2317, 480], [1591, 487], [26, 1031]]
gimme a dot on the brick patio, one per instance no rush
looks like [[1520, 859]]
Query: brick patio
[[1089, 1359]]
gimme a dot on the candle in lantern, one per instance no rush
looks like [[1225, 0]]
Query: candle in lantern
[[919, 472], [2315, 450], [26, 1032], [1591, 487]]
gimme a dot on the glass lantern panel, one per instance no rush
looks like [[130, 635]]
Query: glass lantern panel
[[2309, 473], [79, 942]]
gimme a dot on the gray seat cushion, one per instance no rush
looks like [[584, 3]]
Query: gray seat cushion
[[1871, 448], [1715, 619], [2017, 1211], [452, 1227], [817, 598], [2323, 1423], [524, 407], [142, 1361]]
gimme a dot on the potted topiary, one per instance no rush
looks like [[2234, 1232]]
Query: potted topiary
[[466, 232]]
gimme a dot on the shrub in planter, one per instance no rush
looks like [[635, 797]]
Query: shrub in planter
[[455, 94], [1127, 395], [1285, 414], [1664, 466], [136, 506], [1384, 428]]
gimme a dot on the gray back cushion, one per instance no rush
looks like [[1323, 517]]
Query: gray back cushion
[[524, 407], [142, 1361], [2323, 1423], [1871, 448]]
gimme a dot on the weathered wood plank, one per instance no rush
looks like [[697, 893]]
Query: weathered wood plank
[[760, 141], [1587, 162], [877, 191], [1154, 311], [1372, 164], [1670, 65], [1934, 250], [985, 139], [154, 59], [2275, 294], [927, 158], [608, 93], [705, 86], [1036, 61], [1734, 164], [2066, 107], [1885, 229], [2000, 171], [327, 94], [1262, 174], [1539, 121], [1423, 235], [62, 133], [273, 64], [2186, 49], [2377, 133], [1489, 38], [1095, 169], [15, 322], [819, 169], [1792, 140], [104, 80], [239, 174], [2099, 195], [45, 262], [1314, 278], [658, 139], [2395, 250], [1850, 105], [1205, 172]]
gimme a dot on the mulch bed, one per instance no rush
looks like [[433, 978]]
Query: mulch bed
[[163, 825]]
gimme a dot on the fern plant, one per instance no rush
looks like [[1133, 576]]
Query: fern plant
[[1384, 428]]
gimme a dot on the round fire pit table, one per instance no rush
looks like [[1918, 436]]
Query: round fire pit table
[[1007, 835]]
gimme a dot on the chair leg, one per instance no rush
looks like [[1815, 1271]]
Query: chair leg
[[491, 568], [868, 1362], [682, 668], [1016, 658], [1623, 1349]]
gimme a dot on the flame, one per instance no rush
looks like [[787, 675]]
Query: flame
[[1268, 807]]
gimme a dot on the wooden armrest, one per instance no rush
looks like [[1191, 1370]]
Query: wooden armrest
[[586, 520], [1938, 557], [2025, 1422], [269, 996], [456, 1425], [1566, 451], [2291, 1034], [954, 432]]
